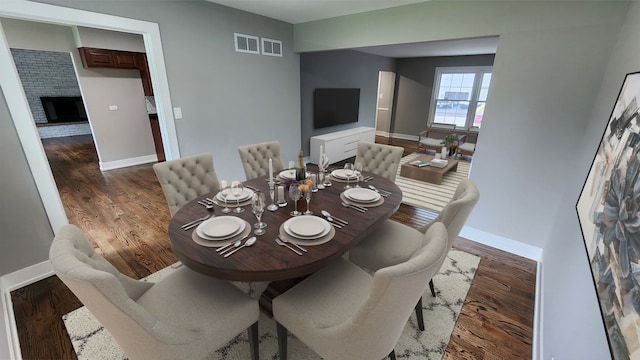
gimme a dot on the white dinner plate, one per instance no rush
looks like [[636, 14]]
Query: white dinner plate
[[361, 195], [341, 174], [307, 227], [246, 195], [220, 228], [289, 174]]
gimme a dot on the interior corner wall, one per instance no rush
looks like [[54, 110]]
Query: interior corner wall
[[340, 69], [577, 332]]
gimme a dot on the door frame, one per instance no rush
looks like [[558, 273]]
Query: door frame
[[19, 107]]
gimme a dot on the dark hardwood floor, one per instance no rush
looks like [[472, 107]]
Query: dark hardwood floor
[[125, 216]]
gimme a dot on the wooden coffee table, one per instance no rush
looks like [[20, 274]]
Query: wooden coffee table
[[428, 173]]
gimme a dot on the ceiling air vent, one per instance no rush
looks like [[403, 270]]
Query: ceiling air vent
[[247, 43], [271, 47]]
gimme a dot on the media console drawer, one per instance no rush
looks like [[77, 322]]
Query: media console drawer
[[340, 145]]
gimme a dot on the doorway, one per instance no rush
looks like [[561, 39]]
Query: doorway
[[18, 106], [384, 105]]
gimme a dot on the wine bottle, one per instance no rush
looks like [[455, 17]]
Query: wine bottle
[[301, 174]]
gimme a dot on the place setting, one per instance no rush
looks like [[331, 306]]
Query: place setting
[[220, 231], [306, 230], [361, 198], [234, 195]]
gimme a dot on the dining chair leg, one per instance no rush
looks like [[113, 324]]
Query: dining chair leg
[[392, 355], [433, 290], [282, 341], [253, 341], [419, 317]]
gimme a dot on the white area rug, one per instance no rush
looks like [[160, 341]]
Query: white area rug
[[430, 196], [92, 342]]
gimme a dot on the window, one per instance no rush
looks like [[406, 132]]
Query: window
[[460, 95]]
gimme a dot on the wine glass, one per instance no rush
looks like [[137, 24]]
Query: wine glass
[[307, 196], [236, 190], [348, 172], [224, 192], [358, 173], [257, 207], [294, 194]]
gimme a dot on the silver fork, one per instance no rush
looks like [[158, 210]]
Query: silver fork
[[294, 244]]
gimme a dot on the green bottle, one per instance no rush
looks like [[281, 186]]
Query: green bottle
[[301, 174]]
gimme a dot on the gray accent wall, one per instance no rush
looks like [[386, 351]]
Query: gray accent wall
[[340, 69], [25, 233]]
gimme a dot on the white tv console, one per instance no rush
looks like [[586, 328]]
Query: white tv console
[[340, 145]]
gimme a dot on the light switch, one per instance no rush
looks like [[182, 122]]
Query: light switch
[[113, 107], [177, 112]]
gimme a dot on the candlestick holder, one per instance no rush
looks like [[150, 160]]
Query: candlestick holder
[[272, 195]]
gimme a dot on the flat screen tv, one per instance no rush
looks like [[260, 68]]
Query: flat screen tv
[[62, 109], [335, 106]]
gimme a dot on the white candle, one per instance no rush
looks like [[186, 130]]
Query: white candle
[[321, 154], [270, 169]]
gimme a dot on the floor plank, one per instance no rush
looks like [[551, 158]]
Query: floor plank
[[128, 227]]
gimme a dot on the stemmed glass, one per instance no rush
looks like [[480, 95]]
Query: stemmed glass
[[294, 194], [358, 173], [348, 171], [224, 192], [257, 207], [236, 190], [307, 196]]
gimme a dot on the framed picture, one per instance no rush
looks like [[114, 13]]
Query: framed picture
[[609, 213]]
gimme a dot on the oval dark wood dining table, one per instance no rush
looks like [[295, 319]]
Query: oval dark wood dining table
[[268, 261]]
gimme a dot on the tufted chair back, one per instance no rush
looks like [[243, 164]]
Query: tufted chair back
[[456, 212], [185, 179], [185, 315], [255, 159], [379, 159]]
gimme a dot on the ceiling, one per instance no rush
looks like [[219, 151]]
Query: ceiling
[[299, 11]]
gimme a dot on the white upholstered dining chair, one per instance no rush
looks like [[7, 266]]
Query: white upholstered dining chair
[[186, 315], [343, 312], [380, 159], [185, 179], [392, 243], [255, 159]]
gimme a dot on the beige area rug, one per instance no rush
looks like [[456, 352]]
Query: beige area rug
[[430, 196], [92, 342]]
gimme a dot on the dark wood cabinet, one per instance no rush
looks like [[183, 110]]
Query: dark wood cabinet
[[126, 60], [157, 137], [92, 57], [117, 59], [144, 74]]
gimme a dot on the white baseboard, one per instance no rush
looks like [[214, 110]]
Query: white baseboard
[[117, 164], [502, 243], [8, 283], [404, 136], [537, 316]]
